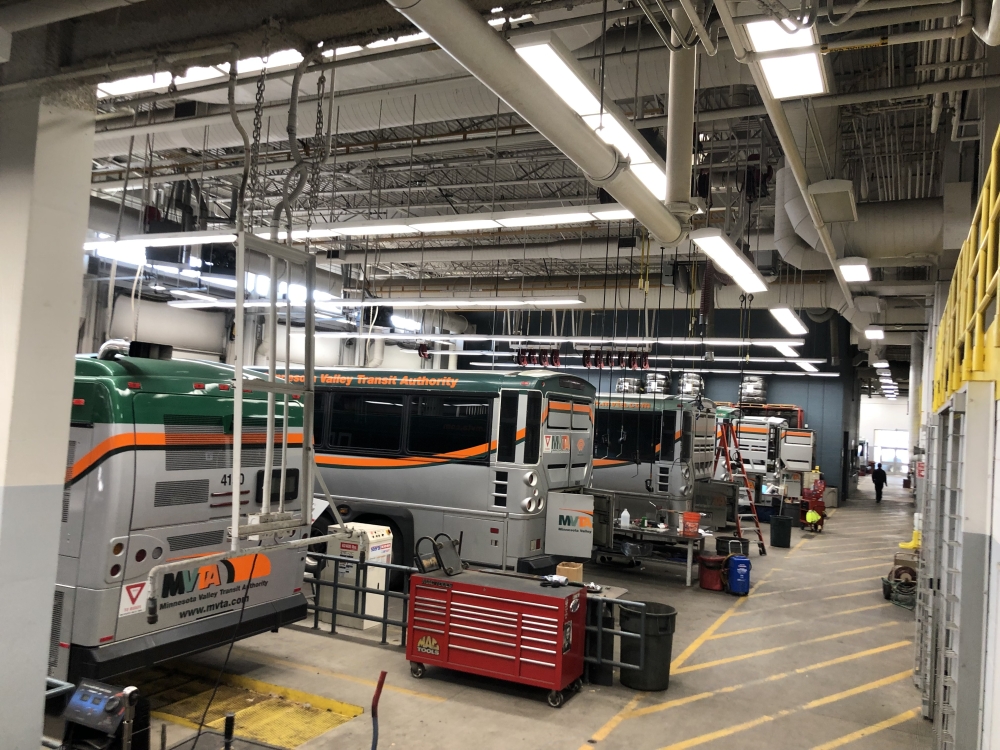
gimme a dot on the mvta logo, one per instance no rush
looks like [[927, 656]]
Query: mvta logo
[[580, 522], [234, 570]]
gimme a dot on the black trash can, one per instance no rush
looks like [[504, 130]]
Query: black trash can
[[655, 672], [781, 531], [722, 546]]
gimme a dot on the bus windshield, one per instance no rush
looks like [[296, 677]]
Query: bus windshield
[[626, 436]]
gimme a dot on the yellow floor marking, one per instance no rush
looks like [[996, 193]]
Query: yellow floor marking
[[857, 690], [807, 601], [799, 567], [737, 728], [710, 630], [279, 662], [773, 678], [797, 547], [863, 567], [821, 586], [730, 634], [783, 647], [866, 731], [846, 550], [611, 723]]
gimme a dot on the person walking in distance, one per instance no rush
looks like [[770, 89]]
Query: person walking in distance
[[879, 479]]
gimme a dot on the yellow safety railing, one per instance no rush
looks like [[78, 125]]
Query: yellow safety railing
[[968, 337]]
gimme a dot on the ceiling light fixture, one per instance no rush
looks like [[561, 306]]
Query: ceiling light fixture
[[807, 366], [729, 258], [854, 270], [789, 76], [614, 214], [538, 219], [789, 321], [786, 350], [398, 321], [200, 296], [463, 224], [164, 239], [880, 364], [557, 66], [874, 333]]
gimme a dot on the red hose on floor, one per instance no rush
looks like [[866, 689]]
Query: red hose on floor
[[378, 694]]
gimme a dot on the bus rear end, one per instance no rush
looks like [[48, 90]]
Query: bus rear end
[[149, 481]]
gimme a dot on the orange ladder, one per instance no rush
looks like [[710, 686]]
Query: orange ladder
[[727, 450]]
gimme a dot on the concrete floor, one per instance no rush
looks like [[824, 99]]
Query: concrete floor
[[813, 658]]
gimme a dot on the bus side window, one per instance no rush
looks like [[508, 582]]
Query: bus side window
[[581, 415], [507, 437], [319, 420], [366, 421], [533, 428], [667, 440], [458, 425]]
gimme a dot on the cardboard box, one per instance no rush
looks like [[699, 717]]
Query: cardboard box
[[572, 570]]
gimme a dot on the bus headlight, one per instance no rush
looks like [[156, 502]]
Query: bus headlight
[[531, 479], [529, 504], [541, 504]]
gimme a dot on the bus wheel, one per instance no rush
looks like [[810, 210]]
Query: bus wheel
[[320, 527]]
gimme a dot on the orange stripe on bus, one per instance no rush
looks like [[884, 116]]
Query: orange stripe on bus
[[598, 462], [560, 405], [374, 463], [797, 433], [161, 440], [747, 428]]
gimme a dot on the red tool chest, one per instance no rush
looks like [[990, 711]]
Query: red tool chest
[[498, 626]]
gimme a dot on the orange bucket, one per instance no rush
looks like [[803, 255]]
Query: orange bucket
[[691, 522]]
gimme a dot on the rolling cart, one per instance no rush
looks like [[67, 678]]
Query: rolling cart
[[511, 627]]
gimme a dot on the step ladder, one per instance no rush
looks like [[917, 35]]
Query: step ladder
[[730, 460]]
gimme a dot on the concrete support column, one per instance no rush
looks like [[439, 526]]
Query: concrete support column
[[680, 118], [45, 150]]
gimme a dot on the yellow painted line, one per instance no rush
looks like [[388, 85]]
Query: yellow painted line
[[783, 647], [298, 696], [279, 662], [710, 630], [737, 728], [730, 634], [822, 586], [646, 710], [845, 549], [610, 724], [864, 567], [857, 690], [801, 566], [807, 601], [870, 730], [798, 546]]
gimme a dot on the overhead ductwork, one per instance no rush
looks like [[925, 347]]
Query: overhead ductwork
[[987, 23], [793, 249], [35, 13], [466, 36]]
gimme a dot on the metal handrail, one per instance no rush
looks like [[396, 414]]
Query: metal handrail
[[360, 588], [966, 347], [600, 602]]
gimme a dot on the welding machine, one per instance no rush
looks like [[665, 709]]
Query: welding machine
[[512, 627]]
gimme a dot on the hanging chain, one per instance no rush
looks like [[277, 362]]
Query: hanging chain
[[319, 155], [258, 117]]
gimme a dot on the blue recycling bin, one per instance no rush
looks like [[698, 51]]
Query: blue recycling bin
[[738, 575]]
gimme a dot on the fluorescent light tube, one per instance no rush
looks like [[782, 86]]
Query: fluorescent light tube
[[792, 76], [725, 254], [550, 65], [875, 332], [538, 220], [880, 363], [459, 224], [614, 214], [359, 230], [653, 177], [398, 321], [807, 366], [790, 321], [194, 295], [784, 349], [854, 270]]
